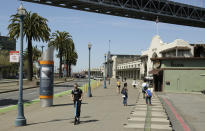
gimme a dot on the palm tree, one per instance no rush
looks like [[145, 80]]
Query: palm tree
[[72, 61], [35, 28], [36, 54], [59, 40], [70, 55]]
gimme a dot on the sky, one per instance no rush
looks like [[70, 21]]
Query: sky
[[127, 36]]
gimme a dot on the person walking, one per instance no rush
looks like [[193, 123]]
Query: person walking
[[148, 97], [134, 83], [144, 88], [118, 86], [125, 84], [76, 95], [124, 93]]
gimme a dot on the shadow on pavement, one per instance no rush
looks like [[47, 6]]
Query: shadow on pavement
[[5, 102], [132, 105], [63, 104], [86, 121], [68, 104], [55, 120]]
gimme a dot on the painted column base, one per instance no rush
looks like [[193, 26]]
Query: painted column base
[[46, 102], [20, 122]]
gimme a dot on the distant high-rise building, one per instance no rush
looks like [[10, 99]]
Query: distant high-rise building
[[7, 44]]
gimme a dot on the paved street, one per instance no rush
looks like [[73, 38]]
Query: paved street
[[103, 112], [11, 98], [8, 80], [190, 107]]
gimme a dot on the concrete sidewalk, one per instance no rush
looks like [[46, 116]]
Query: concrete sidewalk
[[102, 112], [13, 86], [148, 118], [186, 111]]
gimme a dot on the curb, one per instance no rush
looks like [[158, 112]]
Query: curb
[[8, 108]]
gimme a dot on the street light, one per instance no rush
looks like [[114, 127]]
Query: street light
[[89, 88], [104, 73], [21, 120], [42, 48]]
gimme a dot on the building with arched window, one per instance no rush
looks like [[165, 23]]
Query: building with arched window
[[158, 49], [176, 67]]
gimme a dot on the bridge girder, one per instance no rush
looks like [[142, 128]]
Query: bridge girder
[[166, 11]]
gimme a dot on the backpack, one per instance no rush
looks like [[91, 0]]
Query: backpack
[[123, 91], [149, 93]]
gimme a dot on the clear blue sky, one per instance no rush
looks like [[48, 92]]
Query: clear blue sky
[[128, 36]]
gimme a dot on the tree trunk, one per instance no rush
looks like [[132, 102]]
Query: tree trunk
[[69, 69], [30, 60], [67, 73], [60, 66]]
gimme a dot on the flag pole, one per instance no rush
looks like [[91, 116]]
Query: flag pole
[[157, 21]]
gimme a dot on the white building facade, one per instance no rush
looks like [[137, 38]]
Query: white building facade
[[157, 48], [138, 67]]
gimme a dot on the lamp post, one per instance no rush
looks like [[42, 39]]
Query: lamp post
[[104, 73], [89, 88], [42, 48], [21, 120]]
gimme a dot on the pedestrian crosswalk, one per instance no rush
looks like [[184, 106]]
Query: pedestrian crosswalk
[[145, 117]]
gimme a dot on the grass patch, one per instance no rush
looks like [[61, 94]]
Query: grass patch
[[12, 107]]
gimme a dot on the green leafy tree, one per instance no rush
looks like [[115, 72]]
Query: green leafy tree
[[70, 55], [35, 28], [59, 40], [36, 55]]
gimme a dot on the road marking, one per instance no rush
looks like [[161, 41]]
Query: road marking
[[183, 124], [148, 119]]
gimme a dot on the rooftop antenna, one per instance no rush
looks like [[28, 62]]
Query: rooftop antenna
[[109, 45]]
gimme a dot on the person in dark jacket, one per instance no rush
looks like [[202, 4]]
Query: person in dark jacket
[[77, 95], [124, 93]]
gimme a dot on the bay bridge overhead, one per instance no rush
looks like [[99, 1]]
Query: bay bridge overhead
[[166, 11]]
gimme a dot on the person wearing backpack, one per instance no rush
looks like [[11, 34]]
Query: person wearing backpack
[[124, 93], [148, 96], [144, 88]]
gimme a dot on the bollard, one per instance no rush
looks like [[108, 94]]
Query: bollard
[[46, 78]]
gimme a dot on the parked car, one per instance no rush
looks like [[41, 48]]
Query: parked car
[[91, 77], [98, 78]]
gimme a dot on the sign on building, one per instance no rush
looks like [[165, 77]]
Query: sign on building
[[14, 56]]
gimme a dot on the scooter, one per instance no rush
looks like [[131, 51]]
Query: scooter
[[77, 119]]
